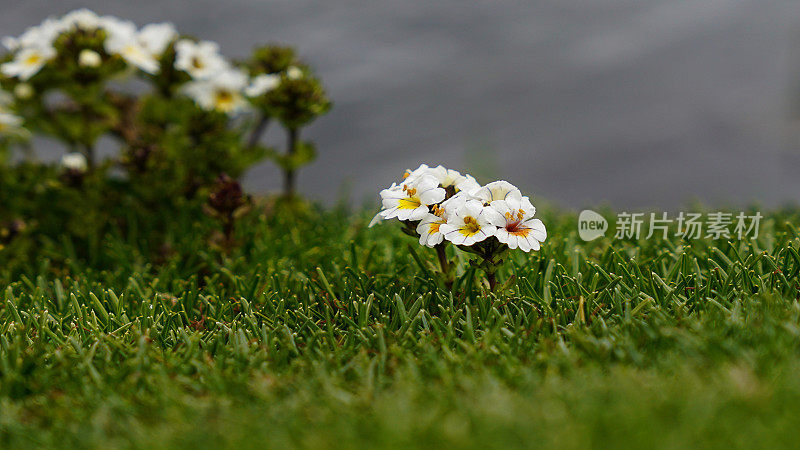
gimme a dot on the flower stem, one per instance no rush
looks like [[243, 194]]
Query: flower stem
[[490, 277], [88, 152], [289, 174], [441, 253], [258, 131], [491, 253]]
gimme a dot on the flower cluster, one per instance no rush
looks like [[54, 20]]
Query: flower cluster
[[444, 205], [90, 41], [204, 114], [119, 39]]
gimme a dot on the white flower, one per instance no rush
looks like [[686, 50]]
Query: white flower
[[81, 18], [42, 35], [410, 200], [74, 161], [89, 58], [11, 124], [222, 92], [116, 27], [498, 190], [520, 229], [453, 178], [123, 40], [429, 228], [422, 170], [294, 73], [456, 201], [199, 59], [261, 84], [469, 223], [156, 37], [11, 43], [28, 62]]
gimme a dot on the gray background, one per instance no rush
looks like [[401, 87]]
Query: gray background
[[631, 102]]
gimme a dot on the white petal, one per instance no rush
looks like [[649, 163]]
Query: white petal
[[432, 196], [538, 230], [375, 220]]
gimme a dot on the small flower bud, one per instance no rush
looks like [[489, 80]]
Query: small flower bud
[[23, 91], [294, 73], [74, 167], [89, 58], [226, 196], [74, 162]]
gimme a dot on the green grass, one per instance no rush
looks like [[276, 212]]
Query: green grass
[[321, 333]]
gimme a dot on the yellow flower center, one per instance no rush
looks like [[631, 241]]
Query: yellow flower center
[[33, 59], [409, 203], [197, 63], [471, 227], [224, 100], [518, 216]]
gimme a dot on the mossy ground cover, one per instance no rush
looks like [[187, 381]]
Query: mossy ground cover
[[318, 332]]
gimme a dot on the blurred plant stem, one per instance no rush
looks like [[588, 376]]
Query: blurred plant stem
[[258, 131], [289, 180]]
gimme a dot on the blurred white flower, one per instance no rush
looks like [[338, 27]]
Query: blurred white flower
[[199, 59], [28, 62], [261, 84], [156, 37], [123, 40], [11, 43], [520, 229], [89, 58], [75, 162], [222, 92], [469, 223], [114, 26], [81, 18], [410, 200], [42, 35], [11, 125]]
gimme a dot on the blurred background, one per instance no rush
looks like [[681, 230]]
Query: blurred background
[[633, 103]]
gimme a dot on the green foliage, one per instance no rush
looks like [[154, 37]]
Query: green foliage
[[297, 101], [319, 332], [271, 59], [304, 152], [181, 128]]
